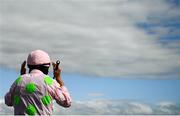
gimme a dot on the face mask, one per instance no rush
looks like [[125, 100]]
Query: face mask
[[42, 68]]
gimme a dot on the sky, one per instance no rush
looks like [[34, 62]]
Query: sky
[[120, 55]]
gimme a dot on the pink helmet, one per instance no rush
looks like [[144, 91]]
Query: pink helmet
[[38, 57]]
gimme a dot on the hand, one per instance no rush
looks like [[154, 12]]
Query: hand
[[57, 74], [23, 69]]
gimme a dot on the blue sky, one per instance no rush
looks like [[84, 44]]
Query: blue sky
[[84, 87], [172, 24]]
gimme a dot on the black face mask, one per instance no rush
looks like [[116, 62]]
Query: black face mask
[[42, 68]]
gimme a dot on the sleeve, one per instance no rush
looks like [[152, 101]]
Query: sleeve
[[9, 95], [61, 95]]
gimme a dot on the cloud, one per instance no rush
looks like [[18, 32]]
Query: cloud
[[91, 37], [5, 109], [168, 108], [111, 107]]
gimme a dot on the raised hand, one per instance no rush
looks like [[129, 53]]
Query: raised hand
[[57, 73], [23, 68]]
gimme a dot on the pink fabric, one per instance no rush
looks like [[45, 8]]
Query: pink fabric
[[58, 93], [38, 57]]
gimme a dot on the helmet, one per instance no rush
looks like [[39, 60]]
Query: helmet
[[38, 57]]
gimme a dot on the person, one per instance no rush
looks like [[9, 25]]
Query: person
[[33, 93]]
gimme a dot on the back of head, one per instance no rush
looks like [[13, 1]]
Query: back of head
[[38, 59]]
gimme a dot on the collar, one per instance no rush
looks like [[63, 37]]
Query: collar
[[35, 72]]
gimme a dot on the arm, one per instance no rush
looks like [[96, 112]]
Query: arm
[[62, 95], [9, 95]]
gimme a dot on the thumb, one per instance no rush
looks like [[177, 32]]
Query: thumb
[[54, 65]]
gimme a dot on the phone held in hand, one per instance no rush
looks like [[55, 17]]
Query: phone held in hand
[[57, 64], [56, 67]]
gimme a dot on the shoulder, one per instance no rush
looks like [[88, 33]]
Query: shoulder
[[19, 79], [48, 80]]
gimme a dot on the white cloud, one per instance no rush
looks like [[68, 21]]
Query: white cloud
[[90, 37], [167, 108], [139, 108], [5, 109], [116, 107]]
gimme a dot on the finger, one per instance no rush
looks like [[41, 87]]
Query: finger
[[23, 69], [54, 65]]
